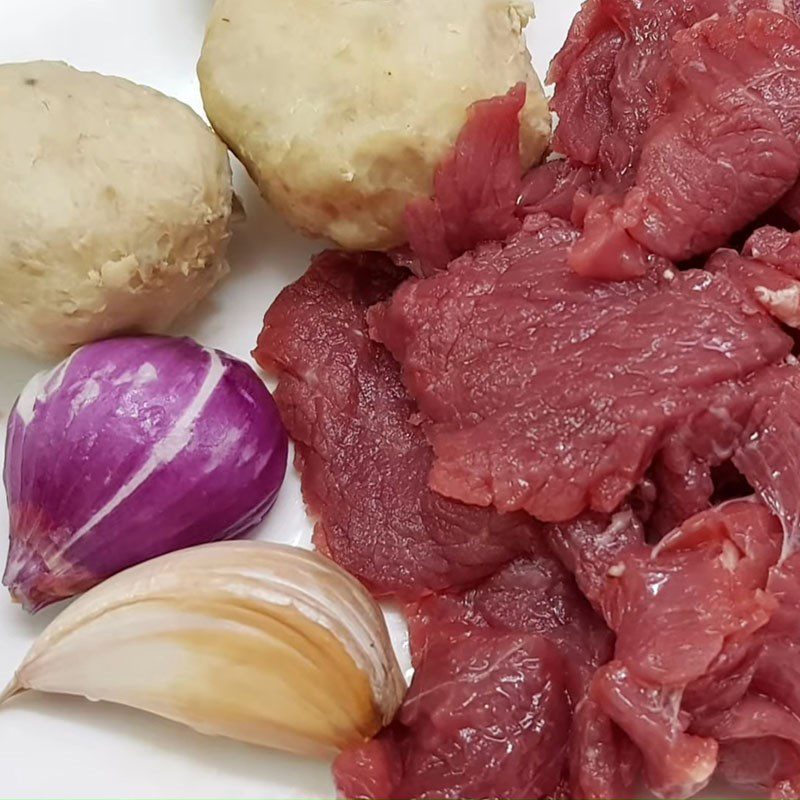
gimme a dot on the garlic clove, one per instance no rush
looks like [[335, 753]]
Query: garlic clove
[[259, 642]]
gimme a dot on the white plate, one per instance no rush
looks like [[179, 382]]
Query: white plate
[[70, 748]]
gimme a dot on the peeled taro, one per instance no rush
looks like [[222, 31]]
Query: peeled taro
[[129, 449]]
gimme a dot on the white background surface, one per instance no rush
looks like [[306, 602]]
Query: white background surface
[[67, 747]]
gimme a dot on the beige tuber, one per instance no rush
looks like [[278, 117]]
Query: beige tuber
[[341, 109], [115, 205]]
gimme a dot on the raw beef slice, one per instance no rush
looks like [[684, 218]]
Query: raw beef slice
[[535, 594], [769, 269], [688, 614], [548, 392], [476, 187], [769, 455], [363, 460], [552, 187], [727, 151], [613, 76], [487, 715], [759, 735], [445, 746]]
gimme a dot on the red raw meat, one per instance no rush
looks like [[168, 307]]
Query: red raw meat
[[477, 187], [770, 454], [548, 392], [551, 188], [583, 73], [787, 790], [760, 735], [683, 610], [614, 76], [769, 269], [487, 715], [790, 205], [363, 460], [725, 153], [533, 596], [684, 472]]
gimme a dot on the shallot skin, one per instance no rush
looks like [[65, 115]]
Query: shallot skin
[[130, 449]]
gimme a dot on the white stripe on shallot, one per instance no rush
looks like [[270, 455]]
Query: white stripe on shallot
[[42, 387], [163, 452]]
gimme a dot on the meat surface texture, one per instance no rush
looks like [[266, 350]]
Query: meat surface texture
[[584, 491], [477, 187], [548, 392], [686, 614], [693, 129], [363, 460], [578, 750], [487, 715], [769, 269]]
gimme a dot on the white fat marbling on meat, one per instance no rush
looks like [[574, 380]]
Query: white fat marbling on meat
[[783, 303]]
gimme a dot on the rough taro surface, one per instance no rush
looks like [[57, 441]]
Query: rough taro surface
[[363, 458], [544, 391]]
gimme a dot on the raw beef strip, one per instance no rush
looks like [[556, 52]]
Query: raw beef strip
[[759, 743], [790, 205], [583, 73], [487, 716], [769, 268], [476, 187], [590, 547], [363, 460], [770, 455], [552, 393], [682, 611], [685, 472], [727, 151], [533, 596], [614, 76], [551, 188], [760, 734]]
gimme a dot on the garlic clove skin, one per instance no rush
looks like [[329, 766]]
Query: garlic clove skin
[[264, 643]]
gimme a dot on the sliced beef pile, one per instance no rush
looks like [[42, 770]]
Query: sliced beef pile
[[555, 473], [688, 114], [547, 392], [687, 614], [363, 459]]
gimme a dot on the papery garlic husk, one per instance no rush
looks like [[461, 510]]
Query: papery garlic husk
[[264, 643]]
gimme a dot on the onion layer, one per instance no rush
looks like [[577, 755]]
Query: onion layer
[[129, 449]]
